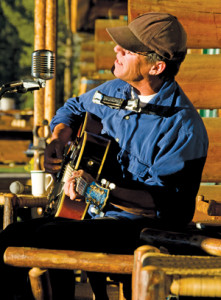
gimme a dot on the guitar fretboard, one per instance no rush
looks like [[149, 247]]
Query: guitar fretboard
[[81, 185], [68, 172]]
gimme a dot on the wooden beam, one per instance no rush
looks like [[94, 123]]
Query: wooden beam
[[50, 44], [201, 19], [200, 78], [70, 260], [39, 43], [212, 169]]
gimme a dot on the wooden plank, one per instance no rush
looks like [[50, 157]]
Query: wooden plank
[[212, 169], [104, 43], [104, 55], [101, 25], [16, 120], [208, 204], [200, 78], [213, 127], [201, 19], [210, 192], [14, 151], [64, 259]]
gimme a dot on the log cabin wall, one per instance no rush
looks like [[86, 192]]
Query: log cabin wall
[[201, 19]]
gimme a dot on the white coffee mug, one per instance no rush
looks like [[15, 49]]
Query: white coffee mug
[[40, 182]]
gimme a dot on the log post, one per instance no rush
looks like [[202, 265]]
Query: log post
[[8, 216], [154, 283], [39, 43], [40, 284], [50, 44], [136, 274]]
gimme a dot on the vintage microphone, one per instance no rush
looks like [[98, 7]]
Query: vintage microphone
[[43, 64], [42, 69]]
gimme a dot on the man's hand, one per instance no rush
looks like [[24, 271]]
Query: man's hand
[[53, 157], [54, 151], [70, 185]]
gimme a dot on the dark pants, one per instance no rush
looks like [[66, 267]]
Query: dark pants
[[99, 235]]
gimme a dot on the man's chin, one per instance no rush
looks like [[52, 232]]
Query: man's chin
[[114, 72], [112, 69]]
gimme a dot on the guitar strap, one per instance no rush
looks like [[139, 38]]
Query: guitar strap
[[133, 105]]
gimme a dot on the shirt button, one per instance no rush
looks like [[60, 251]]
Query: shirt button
[[117, 140], [127, 117]]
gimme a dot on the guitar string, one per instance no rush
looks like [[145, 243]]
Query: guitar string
[[66, 175], [81, 183]]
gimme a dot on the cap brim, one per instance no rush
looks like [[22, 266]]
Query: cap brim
[[125, 38]]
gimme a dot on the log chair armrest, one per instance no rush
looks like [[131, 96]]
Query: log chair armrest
[[65, 259], [182, 241]]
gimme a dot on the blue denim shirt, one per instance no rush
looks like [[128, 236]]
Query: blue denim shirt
[[164, 151]]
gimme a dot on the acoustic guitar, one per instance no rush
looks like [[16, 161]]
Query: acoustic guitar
[[88, 152]]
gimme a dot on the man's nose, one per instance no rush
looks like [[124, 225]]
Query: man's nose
[[118, 48]]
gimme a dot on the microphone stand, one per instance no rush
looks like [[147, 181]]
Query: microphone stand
[[22, 86]]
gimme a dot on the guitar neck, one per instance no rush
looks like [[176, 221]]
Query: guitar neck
[[81, 185], [68, 172]]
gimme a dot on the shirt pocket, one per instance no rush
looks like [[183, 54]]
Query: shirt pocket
[[133, 165]]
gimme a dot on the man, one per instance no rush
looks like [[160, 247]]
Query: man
[[161, 147]]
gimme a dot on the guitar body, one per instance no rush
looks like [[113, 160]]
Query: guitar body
[[87, 152]]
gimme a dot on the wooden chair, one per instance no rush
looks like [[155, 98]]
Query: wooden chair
[[12, 202], [200, 78], [158, 275]]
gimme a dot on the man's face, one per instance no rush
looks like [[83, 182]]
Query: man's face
[[130, 66]]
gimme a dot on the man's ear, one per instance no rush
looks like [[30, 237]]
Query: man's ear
[[157, 68]]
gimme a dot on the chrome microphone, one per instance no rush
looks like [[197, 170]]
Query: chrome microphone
[[43, 64], [42, 69]]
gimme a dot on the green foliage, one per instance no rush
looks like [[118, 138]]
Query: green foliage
[[17, 38], [17, 45]]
